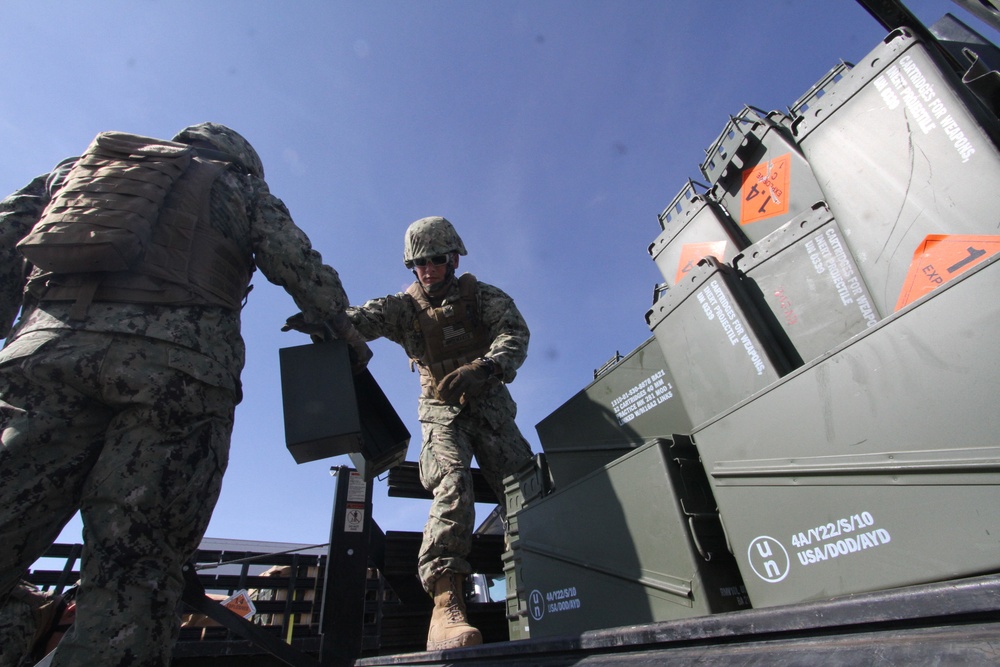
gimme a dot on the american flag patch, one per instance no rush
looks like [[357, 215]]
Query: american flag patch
[[454, 334]]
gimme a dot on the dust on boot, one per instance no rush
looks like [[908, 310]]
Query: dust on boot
[[449, 626]]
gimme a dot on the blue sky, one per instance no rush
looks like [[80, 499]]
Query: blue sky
[[550, 132]]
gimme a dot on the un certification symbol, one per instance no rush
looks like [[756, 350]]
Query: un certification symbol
[[536, 605], [769, 559]]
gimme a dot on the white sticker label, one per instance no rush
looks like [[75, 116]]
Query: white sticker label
[[354, 521], [356, 488]]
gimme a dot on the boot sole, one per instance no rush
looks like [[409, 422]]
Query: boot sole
[[461, 641]]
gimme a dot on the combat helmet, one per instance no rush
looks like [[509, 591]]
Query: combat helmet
[[226, 140], [428, 237]]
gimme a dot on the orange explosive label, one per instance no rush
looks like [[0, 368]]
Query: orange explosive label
[[240, 604], [692, 253], [939, 258], [765, 189]]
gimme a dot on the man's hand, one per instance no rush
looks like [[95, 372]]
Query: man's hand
[[467, 380], [343, 329], [339, 327], [318, 331]]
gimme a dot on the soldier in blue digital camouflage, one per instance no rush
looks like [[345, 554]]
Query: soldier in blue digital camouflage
[[119, 380], [467, 340]]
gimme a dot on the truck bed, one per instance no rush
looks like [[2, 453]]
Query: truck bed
[[950, 623]]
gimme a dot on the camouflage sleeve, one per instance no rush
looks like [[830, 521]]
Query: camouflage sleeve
[[508, 330], [285, 256], [385, 317], [18, 214]]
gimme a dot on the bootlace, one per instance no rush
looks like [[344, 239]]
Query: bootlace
[[453, 611]]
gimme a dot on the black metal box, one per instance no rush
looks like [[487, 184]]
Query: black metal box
[[328, 411]]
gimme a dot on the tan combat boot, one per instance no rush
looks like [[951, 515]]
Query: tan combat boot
[[449, 624]]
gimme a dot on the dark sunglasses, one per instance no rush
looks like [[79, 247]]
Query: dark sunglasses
[[436, 260]]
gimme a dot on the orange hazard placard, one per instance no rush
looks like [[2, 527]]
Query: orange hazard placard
[[240, 603], [692, 253], [765, 189], [939, 258]]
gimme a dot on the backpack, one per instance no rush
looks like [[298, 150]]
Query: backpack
[[103, 217]]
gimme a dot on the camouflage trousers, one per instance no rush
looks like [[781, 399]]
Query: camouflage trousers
[[133, 433], [445, 462]]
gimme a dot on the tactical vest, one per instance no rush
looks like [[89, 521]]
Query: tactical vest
[[454, 334], [132, 223]]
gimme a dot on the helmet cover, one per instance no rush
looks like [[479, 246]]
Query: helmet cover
[[225, 140], [428, 237]]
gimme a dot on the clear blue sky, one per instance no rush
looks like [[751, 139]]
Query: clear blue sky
[[550, 132]]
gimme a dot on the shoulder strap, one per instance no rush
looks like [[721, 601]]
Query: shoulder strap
[[415, 292]]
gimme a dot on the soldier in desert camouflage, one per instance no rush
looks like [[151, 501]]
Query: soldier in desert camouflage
[[467, 340], [118, 387]]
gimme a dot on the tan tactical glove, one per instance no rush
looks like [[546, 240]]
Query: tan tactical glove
[[467, 380]]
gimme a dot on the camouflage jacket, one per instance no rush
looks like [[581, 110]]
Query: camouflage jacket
[[395, 317], [242, 208]]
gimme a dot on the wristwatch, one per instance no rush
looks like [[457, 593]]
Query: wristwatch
[[491, 364]]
